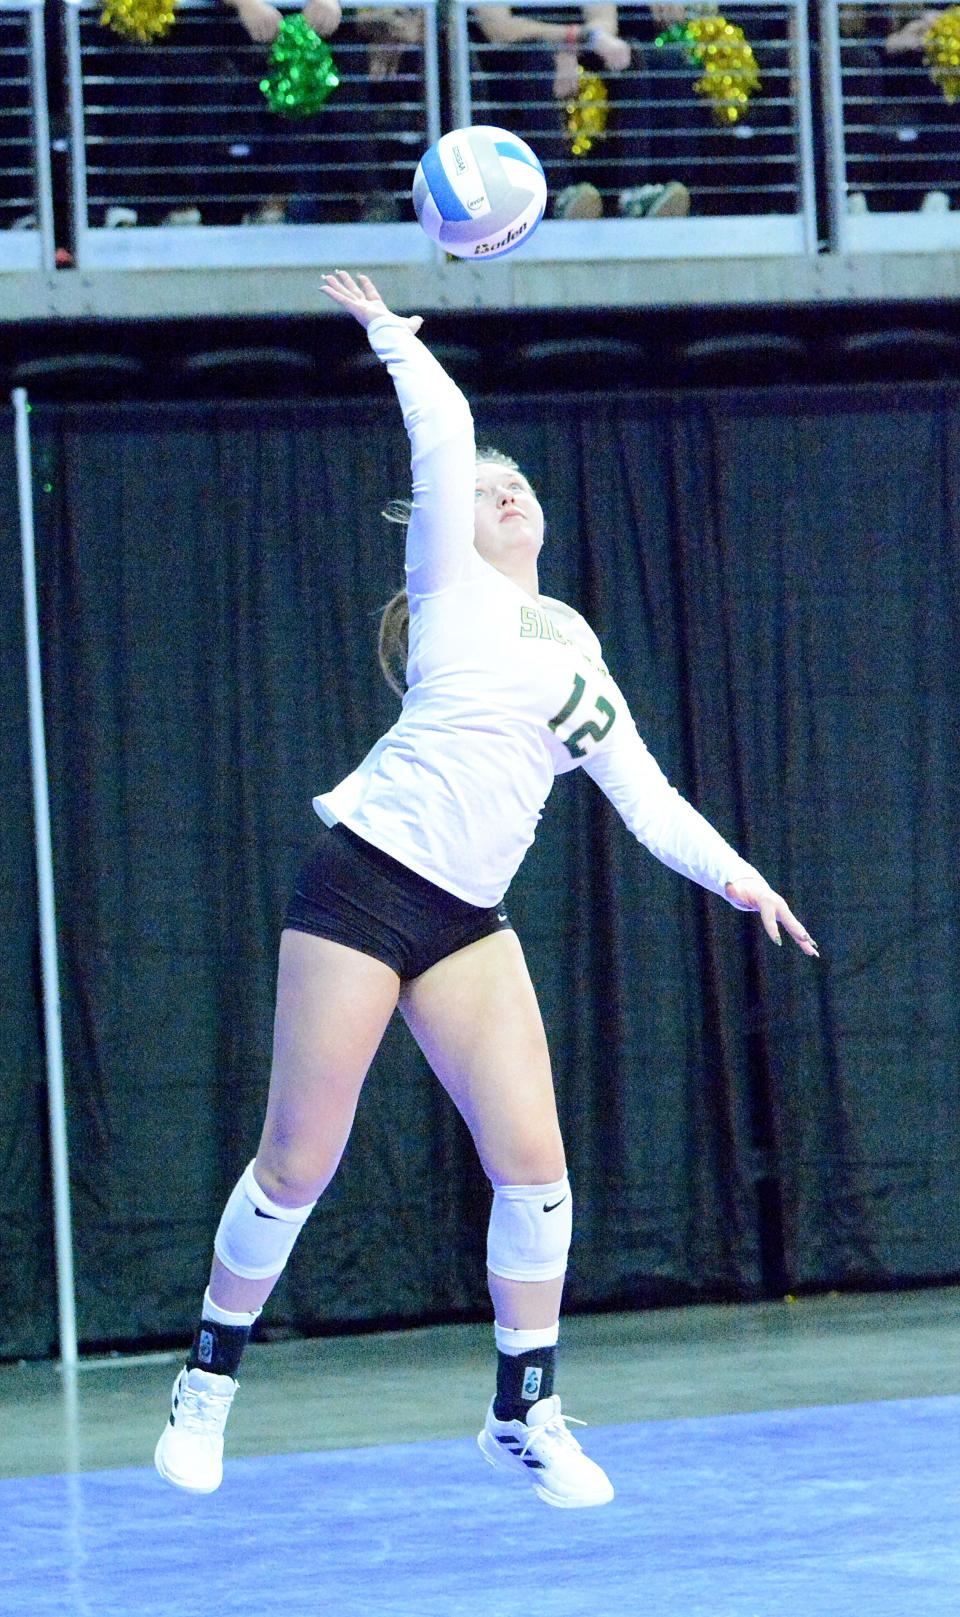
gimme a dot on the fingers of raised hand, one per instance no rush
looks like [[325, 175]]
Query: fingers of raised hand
[[341, 286], [360, 297], [333, 284], [343, 282], [368, 289]]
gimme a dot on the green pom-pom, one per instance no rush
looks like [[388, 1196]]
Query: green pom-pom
[[676, 34], [300, 74]]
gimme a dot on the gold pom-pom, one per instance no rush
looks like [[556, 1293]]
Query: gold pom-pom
[[587, 116], [730, 73], [941, 50], [143, 20]]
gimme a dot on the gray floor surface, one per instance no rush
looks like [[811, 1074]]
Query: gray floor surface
[[408, 1386]]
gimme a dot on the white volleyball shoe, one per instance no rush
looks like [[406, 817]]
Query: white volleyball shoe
[[190, 1451], [545, 1453]]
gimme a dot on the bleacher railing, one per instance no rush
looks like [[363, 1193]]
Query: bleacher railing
[[26, 194], [750, 180], [892, 137], [179, 162], [174, 148]]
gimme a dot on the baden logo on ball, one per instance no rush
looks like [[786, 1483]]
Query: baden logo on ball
[[479, 192]]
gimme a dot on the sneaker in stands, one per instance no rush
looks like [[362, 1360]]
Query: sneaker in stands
[[581, 201], [190, 1451], [669, 201], [271, 212], [545, 1454], [935, 202], [119, 218], [182, 216]]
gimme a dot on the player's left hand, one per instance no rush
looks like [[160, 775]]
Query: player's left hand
[[757, 895]]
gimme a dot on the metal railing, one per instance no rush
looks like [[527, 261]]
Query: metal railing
[[26, 194], [892, 137], [744, 185], [176, 160], [174, 146]]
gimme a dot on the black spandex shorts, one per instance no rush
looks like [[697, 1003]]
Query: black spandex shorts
[[350, 891]]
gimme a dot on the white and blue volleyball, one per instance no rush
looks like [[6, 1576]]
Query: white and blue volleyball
[[479, 192]]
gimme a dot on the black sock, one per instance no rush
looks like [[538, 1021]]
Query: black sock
[[523, 1379], [218, 1348]]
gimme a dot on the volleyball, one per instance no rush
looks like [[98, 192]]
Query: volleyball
[[479, 192]]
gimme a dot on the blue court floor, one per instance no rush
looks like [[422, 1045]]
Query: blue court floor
[[808, 1512]]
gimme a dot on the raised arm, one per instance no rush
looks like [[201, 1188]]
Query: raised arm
[[503, 26], [679, 836], [440, 427]]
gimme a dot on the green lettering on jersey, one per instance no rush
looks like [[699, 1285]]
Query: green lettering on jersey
[[579, 686], [596, 732], [589, 729], [538, 625]]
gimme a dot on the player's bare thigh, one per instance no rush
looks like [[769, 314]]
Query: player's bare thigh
[[476, 1018], [333, 1006]]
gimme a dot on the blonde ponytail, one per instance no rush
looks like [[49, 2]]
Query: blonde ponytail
[[392, 641]]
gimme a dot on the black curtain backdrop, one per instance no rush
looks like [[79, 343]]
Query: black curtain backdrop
[[774, 577]]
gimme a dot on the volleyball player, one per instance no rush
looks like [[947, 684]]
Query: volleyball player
[[401, 905]]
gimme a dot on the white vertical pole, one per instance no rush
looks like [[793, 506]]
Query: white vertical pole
[[63, 1235]]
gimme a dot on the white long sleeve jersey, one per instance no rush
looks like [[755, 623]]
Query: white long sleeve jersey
[[504, 691]]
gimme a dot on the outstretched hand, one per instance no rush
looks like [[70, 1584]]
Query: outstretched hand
[[360, 298], [754, 892]]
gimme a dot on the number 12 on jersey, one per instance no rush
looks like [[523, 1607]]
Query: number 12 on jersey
[[589, 730]]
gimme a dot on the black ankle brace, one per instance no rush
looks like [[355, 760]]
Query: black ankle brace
[[218, 1348], [522, 1380]]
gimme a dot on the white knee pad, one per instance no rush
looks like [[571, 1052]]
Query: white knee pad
[[530, 1229], [255, 1236]]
